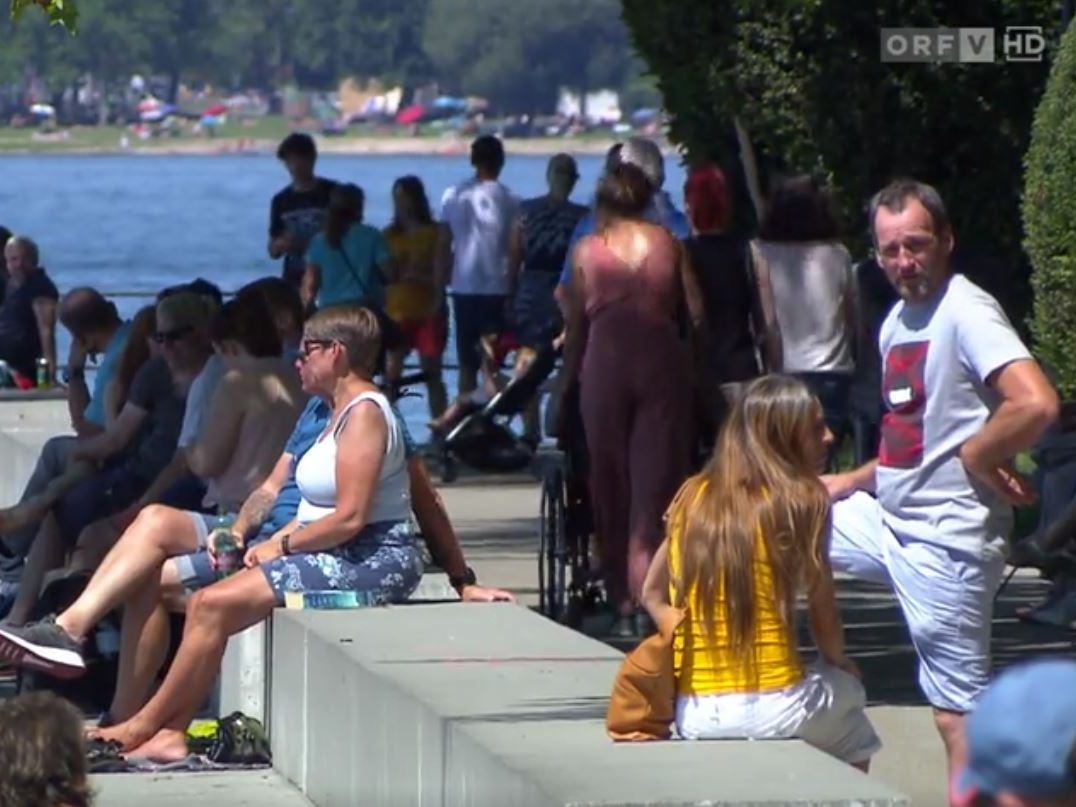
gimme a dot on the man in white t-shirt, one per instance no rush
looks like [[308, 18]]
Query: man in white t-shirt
[[963, 396], [477, 217]]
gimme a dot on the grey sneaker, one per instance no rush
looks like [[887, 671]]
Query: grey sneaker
[[42, 646]]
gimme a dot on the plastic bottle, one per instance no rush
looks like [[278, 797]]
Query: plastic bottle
[[229, 554]]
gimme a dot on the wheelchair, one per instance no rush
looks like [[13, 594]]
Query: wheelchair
[[569, 587]]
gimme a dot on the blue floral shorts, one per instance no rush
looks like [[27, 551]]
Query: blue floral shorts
[[382, 560]]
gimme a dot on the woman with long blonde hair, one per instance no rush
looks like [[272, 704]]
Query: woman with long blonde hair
[[746, 538]]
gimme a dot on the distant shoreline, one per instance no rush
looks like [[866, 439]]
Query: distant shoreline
[[386, 146]]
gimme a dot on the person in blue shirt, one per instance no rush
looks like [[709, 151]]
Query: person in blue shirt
[[138, 573], [348, 262], [645, 154], [96, 330]]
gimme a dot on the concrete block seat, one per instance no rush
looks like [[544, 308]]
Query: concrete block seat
[[495, 705]]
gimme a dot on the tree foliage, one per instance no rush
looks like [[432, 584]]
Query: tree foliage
[[516, 54], [1050, 219], [519, 54], [60, 12], [806, 81]]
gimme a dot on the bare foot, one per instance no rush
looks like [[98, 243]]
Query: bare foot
[[129, 734], [167, 745]]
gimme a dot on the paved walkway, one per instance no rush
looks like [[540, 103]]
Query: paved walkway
[[498, 526], [497, 522], [238, 789]]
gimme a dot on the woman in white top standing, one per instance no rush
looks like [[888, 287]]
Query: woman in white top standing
[[352, 531], [810, 272]]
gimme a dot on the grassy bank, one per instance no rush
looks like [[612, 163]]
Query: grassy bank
[[262, 135]]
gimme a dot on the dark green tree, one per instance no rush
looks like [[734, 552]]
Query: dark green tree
[[1050, 219], [806, 81], [519, 54], [59, 12]]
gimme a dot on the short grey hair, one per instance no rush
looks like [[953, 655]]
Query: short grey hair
[[895, 196], [644, 154], [28, 247]]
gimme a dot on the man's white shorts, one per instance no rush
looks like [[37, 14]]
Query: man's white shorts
[[947, 597]]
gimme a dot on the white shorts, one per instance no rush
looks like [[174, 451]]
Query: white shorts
[[825, 709], [947, 597]]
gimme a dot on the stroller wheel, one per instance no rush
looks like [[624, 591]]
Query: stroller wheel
[[552, 559]]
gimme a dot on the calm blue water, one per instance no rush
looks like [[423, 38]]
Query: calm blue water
[[140, 223]]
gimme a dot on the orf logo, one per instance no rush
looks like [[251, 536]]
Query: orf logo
[[1023, 43]]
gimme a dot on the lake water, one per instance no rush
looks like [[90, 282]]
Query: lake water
[[126, 223]]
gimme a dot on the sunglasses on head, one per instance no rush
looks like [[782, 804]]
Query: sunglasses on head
[[174, 335]]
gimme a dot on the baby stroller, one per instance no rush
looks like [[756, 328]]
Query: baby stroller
[[483, 440]]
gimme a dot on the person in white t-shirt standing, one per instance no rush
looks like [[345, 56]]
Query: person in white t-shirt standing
[[963, 396], [477, 217]]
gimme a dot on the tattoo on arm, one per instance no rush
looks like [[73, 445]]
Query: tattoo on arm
[[255, 511]]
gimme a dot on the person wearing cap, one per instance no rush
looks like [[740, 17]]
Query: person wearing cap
[[537, 251], [1022, 740], [930, 517]]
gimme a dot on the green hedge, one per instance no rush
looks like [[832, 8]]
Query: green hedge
[[806, 80], [1050, 218]]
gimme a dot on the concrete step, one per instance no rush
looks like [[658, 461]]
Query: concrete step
[[234, 788]]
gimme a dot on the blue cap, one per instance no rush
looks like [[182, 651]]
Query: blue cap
[[1022, 734]]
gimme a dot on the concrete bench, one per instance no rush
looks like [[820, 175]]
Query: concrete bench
[[494, 705]]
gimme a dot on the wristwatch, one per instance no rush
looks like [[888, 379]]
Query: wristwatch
[[460, 582]]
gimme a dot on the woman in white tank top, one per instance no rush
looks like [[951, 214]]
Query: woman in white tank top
[[352, 531]]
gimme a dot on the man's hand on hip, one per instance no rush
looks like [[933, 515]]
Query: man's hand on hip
[[1003, 479]]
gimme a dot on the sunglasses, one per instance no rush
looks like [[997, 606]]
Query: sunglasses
[[308, 345], [172, 336]]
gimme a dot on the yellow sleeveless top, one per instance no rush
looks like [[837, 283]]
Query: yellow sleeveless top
[[412, 299], [710, 668]]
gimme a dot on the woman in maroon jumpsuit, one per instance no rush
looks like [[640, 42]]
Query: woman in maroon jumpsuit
[[625, 342]]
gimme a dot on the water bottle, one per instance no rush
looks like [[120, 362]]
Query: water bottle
[[229, 553]]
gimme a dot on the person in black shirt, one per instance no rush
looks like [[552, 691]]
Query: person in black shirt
[[28, 312], [727, 355], [297, 213]]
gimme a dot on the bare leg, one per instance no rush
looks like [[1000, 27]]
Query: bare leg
[[94, 544], [157, 534], [33, 509], [531, 429], [951, 728], [144, 641], [394, 362], [46, 554], [436, 393], [213, 615]]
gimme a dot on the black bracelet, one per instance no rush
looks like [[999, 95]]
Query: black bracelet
[[285, 544], [460, 582]]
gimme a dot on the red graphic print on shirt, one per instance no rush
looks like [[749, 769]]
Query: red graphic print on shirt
[[905, 394]]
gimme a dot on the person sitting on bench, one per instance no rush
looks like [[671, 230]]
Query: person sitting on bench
[[746, 537]]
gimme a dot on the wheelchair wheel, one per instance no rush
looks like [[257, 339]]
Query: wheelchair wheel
[[552, 555]]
